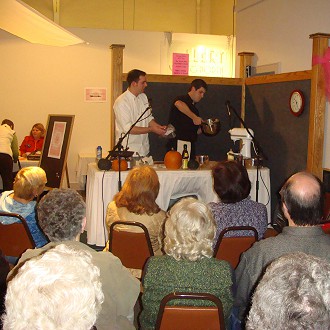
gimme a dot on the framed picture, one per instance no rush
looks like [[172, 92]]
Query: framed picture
[[55, 150]]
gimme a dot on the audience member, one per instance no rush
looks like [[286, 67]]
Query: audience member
[[63, 288], [294, 293], [8, 153], [302, 203], [137, 202], [34, 141], [62, 216], [235, 208], [4, 270], [188, 264], [29, 183]]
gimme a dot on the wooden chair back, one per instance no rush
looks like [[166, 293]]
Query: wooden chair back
[[270, 232], [132, 248], [190, 317], [231, 248], [15, 238]]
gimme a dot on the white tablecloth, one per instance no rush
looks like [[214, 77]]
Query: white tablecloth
[[24, 163], [102, 186], [82, 166]]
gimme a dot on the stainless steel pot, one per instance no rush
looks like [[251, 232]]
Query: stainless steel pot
[[211, 126]]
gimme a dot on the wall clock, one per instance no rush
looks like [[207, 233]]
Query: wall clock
[[297, 102]]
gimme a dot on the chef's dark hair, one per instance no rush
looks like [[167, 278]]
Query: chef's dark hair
[[198, 83], [134, 75]]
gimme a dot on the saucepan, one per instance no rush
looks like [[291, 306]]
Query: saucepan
[[211, 126]]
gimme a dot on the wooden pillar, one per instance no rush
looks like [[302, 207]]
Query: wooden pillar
[[116, 84], [245, 60], [317, 108]]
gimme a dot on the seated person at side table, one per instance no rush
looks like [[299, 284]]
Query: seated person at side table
[[29, 183], [235, 208], [62, 217], [60, 289], [293, 294], [188, 264], [302, 203], [137, 202], [34, 141]]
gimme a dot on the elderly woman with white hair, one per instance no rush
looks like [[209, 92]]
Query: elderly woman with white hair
[[60, 289], [188, 265]]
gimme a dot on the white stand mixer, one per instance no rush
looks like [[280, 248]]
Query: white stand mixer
[[246, 139]]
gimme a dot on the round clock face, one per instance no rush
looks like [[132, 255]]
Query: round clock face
[[296, 102]]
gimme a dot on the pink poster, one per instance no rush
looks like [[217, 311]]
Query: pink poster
[[180, 64], [56, 142]]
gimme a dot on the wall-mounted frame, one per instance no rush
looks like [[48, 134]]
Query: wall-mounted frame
[[55, 150]]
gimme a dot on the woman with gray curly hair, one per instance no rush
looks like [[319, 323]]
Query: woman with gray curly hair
[[188, 265], [293, 294], [63, 289]]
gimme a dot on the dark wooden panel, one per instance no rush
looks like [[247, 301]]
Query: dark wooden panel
[[282, 136]]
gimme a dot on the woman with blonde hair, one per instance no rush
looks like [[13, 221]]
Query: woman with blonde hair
[[188, 265], [34, 141], [137, 202], [29, 183]]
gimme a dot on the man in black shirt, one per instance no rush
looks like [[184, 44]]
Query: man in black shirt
[[184, 116]]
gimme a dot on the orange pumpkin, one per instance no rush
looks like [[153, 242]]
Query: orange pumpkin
[[173, 160], [123, 165]]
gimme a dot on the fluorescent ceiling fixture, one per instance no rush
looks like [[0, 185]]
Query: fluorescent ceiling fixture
[[23, 21]]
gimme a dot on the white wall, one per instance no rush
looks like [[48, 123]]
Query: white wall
[[37, 80], [277, 31]]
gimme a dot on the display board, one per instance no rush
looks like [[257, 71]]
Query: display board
[[55, 150]]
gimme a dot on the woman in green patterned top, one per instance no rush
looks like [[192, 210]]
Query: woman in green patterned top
[[188, 265]]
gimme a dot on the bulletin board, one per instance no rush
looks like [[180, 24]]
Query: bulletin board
[[55, 150]]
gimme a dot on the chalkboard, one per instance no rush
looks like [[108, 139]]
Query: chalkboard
[[55, 149]]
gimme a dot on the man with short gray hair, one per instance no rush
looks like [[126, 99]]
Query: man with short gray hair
[[294, 293]]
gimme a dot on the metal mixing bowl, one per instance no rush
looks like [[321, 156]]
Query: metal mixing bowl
[[202, 159], [211, 126]]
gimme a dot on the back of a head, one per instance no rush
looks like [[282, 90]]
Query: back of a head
[[140, 191], [61, 213], [134, 75], [293, 294], [189, 230], [231, 181], [8, 122], [29, 182], [303, 196], [61, 289]]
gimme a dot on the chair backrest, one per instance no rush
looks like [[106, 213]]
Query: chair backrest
[[190, 317], [15, 238], [231, 248], [270, 232], [132, 248]]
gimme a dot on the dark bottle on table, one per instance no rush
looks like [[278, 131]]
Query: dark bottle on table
[[185, 157]]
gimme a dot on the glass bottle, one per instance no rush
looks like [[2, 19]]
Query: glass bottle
[[185, 157]]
